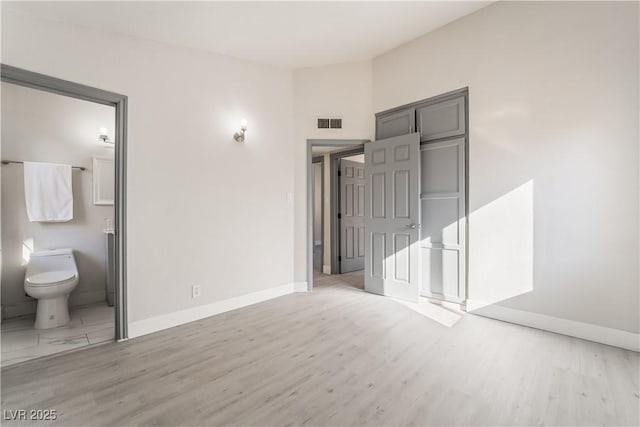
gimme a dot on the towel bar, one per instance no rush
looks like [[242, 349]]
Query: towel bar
[[6, 162]]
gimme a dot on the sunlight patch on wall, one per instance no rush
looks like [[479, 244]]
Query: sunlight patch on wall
[[501, 247], [27, 250]]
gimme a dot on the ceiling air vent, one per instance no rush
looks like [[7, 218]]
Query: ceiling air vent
[[323, 123], [329, 123]]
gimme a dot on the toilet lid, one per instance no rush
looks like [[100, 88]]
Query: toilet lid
[[50, 277]]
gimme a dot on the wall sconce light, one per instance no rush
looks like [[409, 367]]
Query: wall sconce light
[[104, 136], [239, 136]]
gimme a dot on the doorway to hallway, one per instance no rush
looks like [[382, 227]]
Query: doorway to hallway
[[335, 207]]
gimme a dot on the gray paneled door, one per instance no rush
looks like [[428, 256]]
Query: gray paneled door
[[397, 123], [441, 120], [392, 215], [351, 216], [442, 166]]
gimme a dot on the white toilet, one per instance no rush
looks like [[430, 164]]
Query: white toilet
[[51, 276]]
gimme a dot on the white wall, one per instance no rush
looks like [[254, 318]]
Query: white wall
[[46, 127], [194, 194], [340, 90], [553, 119]]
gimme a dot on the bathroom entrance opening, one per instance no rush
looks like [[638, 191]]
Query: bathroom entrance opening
[[108, 189]]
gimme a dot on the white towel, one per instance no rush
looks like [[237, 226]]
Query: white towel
[[47, 192]]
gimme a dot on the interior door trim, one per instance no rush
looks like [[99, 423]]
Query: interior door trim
[[433, 100]]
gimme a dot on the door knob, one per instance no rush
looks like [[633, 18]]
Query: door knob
[[412, 226]]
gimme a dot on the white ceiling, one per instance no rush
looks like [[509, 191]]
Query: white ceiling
[[357, 158], [287, 34]]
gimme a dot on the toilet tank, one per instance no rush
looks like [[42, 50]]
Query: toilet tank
[[51, 260]]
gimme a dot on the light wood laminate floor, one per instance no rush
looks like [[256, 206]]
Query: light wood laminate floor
[[335, 356]]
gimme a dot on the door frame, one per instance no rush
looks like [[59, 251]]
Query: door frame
[[21, 77], [335, 203], [347, 143], [320, 159]]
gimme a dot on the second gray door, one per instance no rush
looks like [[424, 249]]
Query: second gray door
[[443, 219], [351, 216]]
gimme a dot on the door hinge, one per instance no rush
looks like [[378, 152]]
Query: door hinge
[[339, 172], [339, 258], [339, 215]]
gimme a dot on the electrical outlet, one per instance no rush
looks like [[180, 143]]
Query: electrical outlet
[[195, 291]]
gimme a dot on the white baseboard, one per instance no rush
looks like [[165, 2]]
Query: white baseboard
[[326, 269], [85, 298], [166, 321], [300, 287], [572, 328], [24, 308]]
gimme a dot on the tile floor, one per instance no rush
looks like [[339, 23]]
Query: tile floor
[[90, 324]]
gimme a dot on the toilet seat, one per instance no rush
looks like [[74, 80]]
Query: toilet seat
[[51, 278]]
